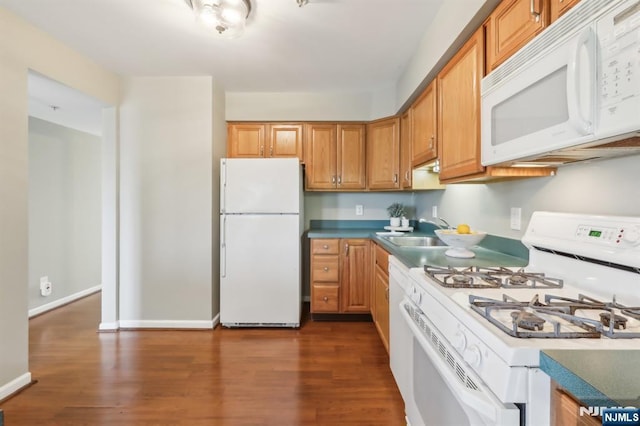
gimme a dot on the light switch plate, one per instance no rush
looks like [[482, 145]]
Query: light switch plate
[[359, 209], [516, 218], [434, 211]]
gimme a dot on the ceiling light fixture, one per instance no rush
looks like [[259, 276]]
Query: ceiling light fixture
[[302, 2], [227, 17]]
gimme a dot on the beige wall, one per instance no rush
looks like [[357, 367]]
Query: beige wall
[[23, 47]]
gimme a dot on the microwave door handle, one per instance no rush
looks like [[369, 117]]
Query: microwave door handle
[[574, 100]]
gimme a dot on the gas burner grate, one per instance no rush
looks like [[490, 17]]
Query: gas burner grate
[[524, 279], [483, 277], [471, 277], [527, 319], [554, 316]]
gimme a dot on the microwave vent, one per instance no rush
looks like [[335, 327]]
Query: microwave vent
[[593, 151], [583, 12]]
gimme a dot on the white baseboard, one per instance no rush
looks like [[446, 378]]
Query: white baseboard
[[63, 301], [15, 385], [166, 324], [109, 326]]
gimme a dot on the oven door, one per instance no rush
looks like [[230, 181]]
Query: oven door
[[444, 390]]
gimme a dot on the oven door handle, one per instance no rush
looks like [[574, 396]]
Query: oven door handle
[[480, 405]]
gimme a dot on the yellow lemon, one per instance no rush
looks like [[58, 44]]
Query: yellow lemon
[[463, 229]]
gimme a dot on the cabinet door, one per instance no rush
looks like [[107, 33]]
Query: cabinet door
[[406, 169], [285, 140], [245, 140], [557, 8], [351, 162], [320, 156], [459, 111], [511, 25], [381, 290], [354, 283], [383, 154], [424, 122]]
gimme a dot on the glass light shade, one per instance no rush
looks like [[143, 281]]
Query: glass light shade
[[228, 17]]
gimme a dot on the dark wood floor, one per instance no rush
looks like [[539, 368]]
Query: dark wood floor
[[325, 373]]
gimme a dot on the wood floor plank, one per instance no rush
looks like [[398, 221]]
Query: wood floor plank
[[325, 373]]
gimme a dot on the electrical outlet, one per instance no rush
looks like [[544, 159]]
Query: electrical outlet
[[434, 211], [45, 286], [516, 218], [359, 209]]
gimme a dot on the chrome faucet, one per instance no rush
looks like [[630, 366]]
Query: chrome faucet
[[439, 225]]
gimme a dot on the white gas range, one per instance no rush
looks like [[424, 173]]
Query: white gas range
[[581, 289]]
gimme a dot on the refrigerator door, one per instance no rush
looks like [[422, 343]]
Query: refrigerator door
[[253, 185], [260, 276]]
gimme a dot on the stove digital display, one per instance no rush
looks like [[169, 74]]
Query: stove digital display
[[595, 233]]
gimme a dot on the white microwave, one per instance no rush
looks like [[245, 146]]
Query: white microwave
[[572, 93]]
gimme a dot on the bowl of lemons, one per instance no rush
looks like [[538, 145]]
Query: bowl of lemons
[[460, 239]]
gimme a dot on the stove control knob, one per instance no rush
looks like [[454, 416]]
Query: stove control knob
[[459, 341], [472, 356], [631, 236]]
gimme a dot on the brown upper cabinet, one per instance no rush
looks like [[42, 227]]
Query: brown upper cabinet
[[406, 167], [335, 156], [423, 126], [264, 140], [557, 8], [459, 111], [383, 153], [511, 25]]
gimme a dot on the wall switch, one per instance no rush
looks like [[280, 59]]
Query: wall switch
[[45, 286], [516, 218], [434, 211], [359, 209]]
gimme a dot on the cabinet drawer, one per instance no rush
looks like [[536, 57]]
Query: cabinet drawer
[[325, 298], [325, 268], [382, 259], [319, 246]]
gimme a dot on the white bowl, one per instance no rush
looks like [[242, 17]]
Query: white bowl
[[460, 243]]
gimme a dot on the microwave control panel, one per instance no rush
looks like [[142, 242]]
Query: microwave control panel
[[618, 34]]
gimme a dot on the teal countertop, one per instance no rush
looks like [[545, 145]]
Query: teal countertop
[[598, 378], [492, 251]]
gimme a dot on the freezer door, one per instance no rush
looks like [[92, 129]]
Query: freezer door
[[260, 270], [253, 185]]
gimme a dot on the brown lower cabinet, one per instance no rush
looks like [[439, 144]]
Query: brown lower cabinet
[[565, 409], [340, 276]]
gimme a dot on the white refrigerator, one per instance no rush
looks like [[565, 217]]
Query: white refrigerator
[[260, 236]]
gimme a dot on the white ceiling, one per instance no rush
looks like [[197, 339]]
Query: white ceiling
[[327, 45]]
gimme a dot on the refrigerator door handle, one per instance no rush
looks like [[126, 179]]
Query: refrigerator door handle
[[223, 185], [223, 249]]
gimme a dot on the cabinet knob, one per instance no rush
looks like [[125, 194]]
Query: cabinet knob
[[325, 298], [326, 246], [271, 151], [261, 150], [431, 141], [326, 269]]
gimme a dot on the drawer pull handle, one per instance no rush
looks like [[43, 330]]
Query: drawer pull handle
[[326, 247], [326, 269], [325, 298]]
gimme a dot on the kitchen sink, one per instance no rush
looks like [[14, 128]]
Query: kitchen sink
[[415, 241]]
